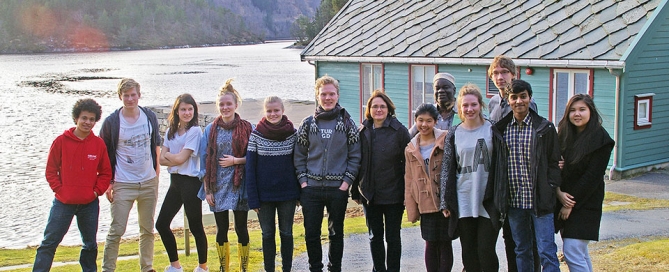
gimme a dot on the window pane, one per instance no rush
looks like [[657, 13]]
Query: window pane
[[492, 89], [581, 83], [429, 93], [561, 94], [643, 110], [366, 78], [378, 71]]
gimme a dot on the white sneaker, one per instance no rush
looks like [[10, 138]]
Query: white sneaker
[[170, 268], [198, 269]]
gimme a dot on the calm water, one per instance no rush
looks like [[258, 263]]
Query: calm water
[[33, 117]]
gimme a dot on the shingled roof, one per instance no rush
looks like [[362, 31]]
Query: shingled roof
[[600, 30]]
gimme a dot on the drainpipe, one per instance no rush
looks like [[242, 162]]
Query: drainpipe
[[616, 127]]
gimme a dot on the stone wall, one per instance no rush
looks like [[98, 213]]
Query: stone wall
[[162, 112]]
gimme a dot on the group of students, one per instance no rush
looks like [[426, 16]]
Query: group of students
[[460, 173]]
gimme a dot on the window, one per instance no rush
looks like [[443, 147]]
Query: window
[[371, 78], [421, 86], [565, 84], [643, 110]]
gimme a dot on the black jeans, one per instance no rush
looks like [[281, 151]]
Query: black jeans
[[286, 214], [313, 201], [478, 238], [374, 215], [183, 191]]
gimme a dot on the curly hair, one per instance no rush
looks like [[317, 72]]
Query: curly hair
[[88, 105]]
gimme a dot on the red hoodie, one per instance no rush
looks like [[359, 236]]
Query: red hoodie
[[77, 168]]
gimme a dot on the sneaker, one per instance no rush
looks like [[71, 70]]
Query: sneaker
[[198, 269], [170, 268]]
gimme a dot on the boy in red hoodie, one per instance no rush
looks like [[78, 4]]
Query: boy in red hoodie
[[78, 171]]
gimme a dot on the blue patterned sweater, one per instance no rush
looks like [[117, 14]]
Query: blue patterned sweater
[[270, 172]]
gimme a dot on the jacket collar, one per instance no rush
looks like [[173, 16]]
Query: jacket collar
[[439, 136]]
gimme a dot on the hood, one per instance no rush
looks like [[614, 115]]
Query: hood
[[439, 136]]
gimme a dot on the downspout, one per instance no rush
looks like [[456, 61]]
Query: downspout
[[616, 127], [313, 63]]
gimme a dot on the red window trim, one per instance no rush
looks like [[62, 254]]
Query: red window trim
[[551, 90], [637, 99]]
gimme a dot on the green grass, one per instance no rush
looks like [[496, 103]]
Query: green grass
[[627, 202], [634, 254], [129, 247]]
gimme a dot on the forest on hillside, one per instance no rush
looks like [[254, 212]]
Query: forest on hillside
[[89, 25]]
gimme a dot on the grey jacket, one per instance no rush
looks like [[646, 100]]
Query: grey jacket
[[327, 164]]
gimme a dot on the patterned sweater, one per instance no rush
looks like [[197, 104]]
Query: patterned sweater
[[270, 172]]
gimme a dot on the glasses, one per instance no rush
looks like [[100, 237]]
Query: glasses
[[504, 73], [379, 107]]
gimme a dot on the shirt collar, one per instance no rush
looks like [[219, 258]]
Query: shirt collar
[[527, 120]]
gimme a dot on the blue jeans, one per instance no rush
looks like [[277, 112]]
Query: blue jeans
[[59, 222], [313, 201], [520, 221], [286, 213], [374, 216]]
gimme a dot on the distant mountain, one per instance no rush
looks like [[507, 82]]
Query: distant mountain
[[273, 18]]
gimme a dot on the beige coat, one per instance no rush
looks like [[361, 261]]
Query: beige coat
[[421, 192]]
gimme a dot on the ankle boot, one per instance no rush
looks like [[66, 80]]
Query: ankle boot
[[223, 256], [243, 257]]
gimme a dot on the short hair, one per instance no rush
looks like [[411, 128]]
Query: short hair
[[518, 86], [127, 84], [325, 80], [389, 103], [228, 89], [173, 118], [504, 62], [86, 104], [429, 109], [469, 89], [272, 99]]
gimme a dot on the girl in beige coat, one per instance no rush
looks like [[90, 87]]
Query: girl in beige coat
[[423, 167]]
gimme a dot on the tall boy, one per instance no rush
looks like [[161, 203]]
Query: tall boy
[[78, 171], [526, 176], [133, 144]]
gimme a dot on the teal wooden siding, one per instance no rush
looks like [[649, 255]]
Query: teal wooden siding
[[348, 75], [396, 84], [646, 72], [540, 81], [605, 97]]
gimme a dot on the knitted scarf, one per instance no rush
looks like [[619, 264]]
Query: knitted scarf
[[276, 132], [322, 114], [240, 140]]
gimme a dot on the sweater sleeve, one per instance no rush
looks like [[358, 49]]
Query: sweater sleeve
[[104, 172], [354, 155], [411, 204], [53, 164], [588, 183], [301, 151], [446, 183], [251, 178], [553, 153]]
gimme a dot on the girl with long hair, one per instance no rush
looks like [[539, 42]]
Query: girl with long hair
[[180, 154], [271, 182], [586, 148], [423, 158], [225, 142], [464, 177]]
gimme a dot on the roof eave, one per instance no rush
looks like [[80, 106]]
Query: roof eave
[[613, 64]]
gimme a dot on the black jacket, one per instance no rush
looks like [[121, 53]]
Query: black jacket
[[584, 180], [381, 176], [544, 172]]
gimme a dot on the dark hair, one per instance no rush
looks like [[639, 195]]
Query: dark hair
[[518, 86], [88, 105], [427, 108], [382, 95], [173, 119], [567, 131]]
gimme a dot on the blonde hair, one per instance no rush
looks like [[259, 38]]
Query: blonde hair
[[272, 99], [127, 84], [503, 62], [469, 88], [325, 80], [228, 89]]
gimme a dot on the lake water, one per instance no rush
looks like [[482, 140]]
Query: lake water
[[32, 116]]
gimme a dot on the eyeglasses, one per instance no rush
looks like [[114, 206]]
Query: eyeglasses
[[382, 107], [504, 73]]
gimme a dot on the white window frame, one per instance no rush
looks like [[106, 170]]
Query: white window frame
[[366, 93], [554, 107], [645, 101], [427, 76]]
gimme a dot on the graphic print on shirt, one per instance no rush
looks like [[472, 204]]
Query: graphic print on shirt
[[326, 133], [481, 157], [138, 144]]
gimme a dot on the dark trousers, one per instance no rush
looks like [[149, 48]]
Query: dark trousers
[[183, 191], [478, 238], [510, 248], [241, 226], [376, 216], [438, 256], [313, 201], [285, 210]]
